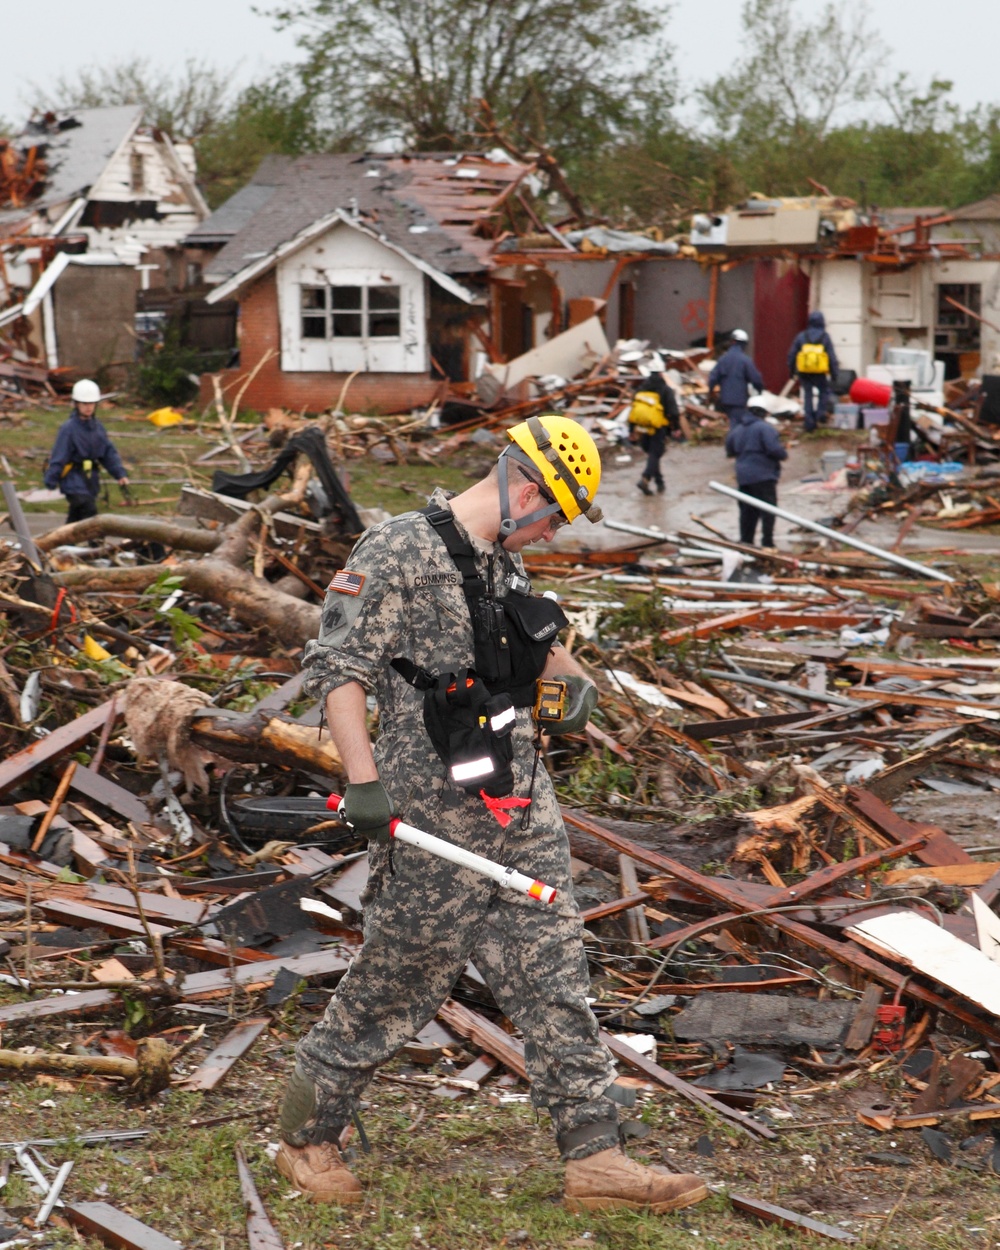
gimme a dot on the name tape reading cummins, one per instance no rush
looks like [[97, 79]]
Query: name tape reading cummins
[[346, 582]]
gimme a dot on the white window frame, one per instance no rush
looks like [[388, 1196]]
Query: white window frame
[[365, 313]]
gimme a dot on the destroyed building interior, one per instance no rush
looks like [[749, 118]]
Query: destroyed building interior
[[782, 815]]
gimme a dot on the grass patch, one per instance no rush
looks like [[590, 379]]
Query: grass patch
[[470, 1175], [159, 462]]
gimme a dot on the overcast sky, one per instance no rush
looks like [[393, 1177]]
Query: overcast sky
[[956, 40]]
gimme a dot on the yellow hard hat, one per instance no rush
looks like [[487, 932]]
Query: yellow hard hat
[[567, 458]]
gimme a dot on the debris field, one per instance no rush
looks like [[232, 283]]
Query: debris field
[[779, 954]]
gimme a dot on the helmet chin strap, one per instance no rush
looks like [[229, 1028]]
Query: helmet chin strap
[[508, 525]]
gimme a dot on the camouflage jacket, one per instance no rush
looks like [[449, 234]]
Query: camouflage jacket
[[401, 595]]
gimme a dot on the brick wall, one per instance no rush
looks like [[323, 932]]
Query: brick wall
[[311, 392]]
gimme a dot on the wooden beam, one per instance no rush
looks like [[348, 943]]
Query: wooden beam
[[768, 1213], [214, 1068], [717, 624], [115, 1228], [19, 766], [261, 1233], [939, 849], [613, 908], [844, 952]]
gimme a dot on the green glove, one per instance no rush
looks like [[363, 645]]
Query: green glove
[[369, 809], [581, 699]]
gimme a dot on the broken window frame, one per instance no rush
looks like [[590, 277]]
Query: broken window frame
[[351, 311]]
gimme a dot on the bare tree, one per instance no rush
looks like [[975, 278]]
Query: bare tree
[[797, 73], [187, 104]]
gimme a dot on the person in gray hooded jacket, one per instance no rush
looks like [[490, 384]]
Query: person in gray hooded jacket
[[757, 450]]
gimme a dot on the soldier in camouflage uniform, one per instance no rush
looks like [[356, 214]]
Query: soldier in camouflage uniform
[[402, 595]]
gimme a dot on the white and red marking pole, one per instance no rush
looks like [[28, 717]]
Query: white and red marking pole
[[508, 877]]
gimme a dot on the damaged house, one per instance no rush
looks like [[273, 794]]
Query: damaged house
[[362, 271], [93, 208], [914, 289]]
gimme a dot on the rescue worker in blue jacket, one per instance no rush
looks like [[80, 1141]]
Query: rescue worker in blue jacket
[[813, 361], [82, 445], [731, 379], [755, 446]]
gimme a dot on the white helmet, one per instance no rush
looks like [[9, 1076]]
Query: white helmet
[[740, 336], [87, 392]]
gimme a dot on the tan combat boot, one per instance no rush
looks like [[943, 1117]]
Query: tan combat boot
[[611, 1181], [319, 1172]]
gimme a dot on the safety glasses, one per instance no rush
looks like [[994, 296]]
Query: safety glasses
[[557, 520]]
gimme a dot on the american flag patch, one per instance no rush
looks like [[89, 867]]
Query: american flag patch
[[346, 582]]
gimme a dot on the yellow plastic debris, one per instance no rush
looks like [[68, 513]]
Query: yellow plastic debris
[[93, 650], [163, 417]]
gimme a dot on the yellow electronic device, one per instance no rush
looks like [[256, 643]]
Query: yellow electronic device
[[550, 700]]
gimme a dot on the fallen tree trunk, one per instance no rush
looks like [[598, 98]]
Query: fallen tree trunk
[[147, 1073], [259, 737], [140, 529], [690, 844], [221, 578]]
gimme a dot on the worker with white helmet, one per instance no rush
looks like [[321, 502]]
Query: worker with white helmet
[[734, 374], [82, 445]]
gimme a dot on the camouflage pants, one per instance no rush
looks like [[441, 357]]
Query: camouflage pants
[[421, 925]]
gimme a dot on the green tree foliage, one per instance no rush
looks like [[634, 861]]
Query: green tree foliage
[[796, 74], [272, 117], [414, 71], [812, 101]]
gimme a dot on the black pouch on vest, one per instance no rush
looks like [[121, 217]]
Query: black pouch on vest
[[533, 623], [470, 729]]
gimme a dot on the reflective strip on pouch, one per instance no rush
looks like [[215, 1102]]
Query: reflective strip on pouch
[[474, 768], [507, 717]]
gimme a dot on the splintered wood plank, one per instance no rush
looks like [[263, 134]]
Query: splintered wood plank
[[733, 620], [631, 1058], [473, 1075], [860, 1032], [743, 724], [940, 849], [212, 983], [115, 1228], [110, 794], [261, 1233], [15, 768], [177, 910], [973, 874], [62, 1005], [215, 1067], [82, 916], [614, 907], [768, 1213], [487, 1036]]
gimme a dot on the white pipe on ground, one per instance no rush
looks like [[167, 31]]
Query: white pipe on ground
[[922, 570]]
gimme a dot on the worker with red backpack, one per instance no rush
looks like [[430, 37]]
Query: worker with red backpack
[[813, 361]]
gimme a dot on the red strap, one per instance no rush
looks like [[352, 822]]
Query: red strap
[[501, 808], [60, 597]]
